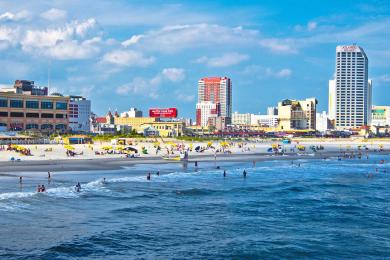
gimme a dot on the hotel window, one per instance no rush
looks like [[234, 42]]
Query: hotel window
[[60, 116], [34, 115], [3, 103], [60, 127], [16, 103], [47, 105], [17, 114], [46, 126], [61, 105], [32, 104], [3, 114], [32, 126], [44, 115]]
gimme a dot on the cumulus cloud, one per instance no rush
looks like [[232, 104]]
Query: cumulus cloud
[[225, 60], [128, 58], [67, 42], [173, 74], [283, 73], [150, 87], [8, 16], [54, 14], [141, 86], [311, 26]]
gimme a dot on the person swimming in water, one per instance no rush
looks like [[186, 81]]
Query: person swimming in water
[[77, 187], [148, 177], [224, 173], [39, 188], [43, 188], [244, 173], [20, 179], [158, 173], [49, 175]]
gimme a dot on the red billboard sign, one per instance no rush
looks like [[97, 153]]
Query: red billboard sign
[[163, 112]]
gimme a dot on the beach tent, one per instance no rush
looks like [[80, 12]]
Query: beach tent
[[131, 149]]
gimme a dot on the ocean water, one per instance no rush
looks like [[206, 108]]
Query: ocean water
[[322, 209]]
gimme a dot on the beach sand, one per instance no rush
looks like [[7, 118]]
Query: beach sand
[[56, 160]]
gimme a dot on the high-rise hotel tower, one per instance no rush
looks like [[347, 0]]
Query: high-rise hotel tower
[[218, 91], [350, 92]]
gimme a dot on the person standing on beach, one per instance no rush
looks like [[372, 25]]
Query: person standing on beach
[[48, 175], [20, 179], [148, 177]]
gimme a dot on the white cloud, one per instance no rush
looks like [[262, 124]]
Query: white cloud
[[173, 74], [150, 87], [141, 86], [311, 26], [8, 36], [67, 42], [133, 40], [73, 50], [184, 97], [54, 14], [174, 38], [278, 45], [283, 73], [8, 16], [262, 72], [128, 58], [225, 60]]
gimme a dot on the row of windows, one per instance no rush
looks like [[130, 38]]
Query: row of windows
[[36, 126], [32, 115], [33, 104]]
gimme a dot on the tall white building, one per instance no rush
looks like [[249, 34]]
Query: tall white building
[[350, 94], [79, 114], [205, 110], [322, 122]]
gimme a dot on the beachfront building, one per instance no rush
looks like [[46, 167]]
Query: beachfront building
[[323, 122], [205, 110], [163, 129], [134, 122], [264, 120], [297, 114], [218, 91], [241, 119], [133, 112], [350, 92], [79, 114], [28, 107], [380, 116]]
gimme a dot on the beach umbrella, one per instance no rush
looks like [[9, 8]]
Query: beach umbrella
[[197, 148], [69, 147], [107, 148]]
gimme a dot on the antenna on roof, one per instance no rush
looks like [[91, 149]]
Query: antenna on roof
[[48, 74]]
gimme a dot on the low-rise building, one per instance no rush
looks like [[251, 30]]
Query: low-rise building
[[380, 116], [164, 129], [297, 114], [241, 119], [264, 120], [30, 108], [133, 112]]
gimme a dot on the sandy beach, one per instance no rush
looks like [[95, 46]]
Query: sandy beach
[[52, 157]]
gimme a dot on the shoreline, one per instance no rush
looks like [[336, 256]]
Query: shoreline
[[6, 168]]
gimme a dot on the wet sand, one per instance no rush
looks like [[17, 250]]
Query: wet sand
[[16, 168]]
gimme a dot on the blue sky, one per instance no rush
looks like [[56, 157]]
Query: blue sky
[[143, 54]]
